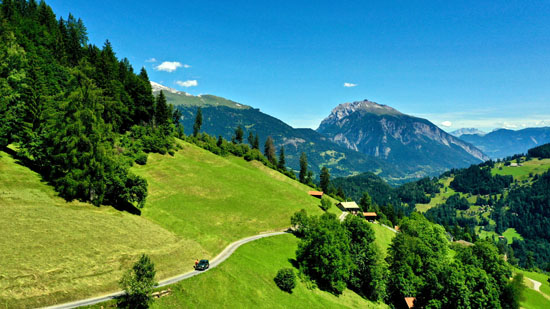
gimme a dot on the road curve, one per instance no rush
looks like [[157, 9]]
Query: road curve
[[227, 252]]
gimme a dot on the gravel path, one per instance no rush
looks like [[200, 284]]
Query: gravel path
[[536, 284], [226, 253]]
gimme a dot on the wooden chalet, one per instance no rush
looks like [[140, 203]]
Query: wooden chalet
[[349, 207], [370, 216]]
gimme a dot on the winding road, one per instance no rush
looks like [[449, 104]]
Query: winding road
[[226, 253]]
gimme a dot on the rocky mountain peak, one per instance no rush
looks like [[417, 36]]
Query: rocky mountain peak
[[158, 87]]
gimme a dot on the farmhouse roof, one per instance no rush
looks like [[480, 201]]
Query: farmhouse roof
[[410, 301], [349, 205], [370, 214]]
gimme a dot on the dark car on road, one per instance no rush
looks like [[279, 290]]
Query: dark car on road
[[203, 265]]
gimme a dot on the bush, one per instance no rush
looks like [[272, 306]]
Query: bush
[[138, 284], [141, 158], [325, 204], [286, 279]]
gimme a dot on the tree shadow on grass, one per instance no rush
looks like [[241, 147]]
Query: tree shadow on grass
[[21, 160], [127, 207]]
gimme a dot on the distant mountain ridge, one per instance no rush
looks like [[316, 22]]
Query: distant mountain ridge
[[222, 116], [413, 144], [502, 143]]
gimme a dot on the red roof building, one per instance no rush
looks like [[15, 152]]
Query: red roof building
[[317, 194]]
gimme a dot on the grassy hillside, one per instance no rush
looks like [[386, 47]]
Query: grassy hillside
[[216, 200], [245, 280], [54, 251]]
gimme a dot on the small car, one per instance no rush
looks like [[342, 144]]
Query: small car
[[203, 265]]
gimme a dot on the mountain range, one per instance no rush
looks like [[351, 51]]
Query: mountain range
[[502, 143], [413, 144], [374, 138]]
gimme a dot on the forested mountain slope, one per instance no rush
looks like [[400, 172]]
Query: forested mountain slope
[[223, 116]]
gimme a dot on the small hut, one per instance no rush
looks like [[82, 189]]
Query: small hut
[[370, 216], [317, 194]]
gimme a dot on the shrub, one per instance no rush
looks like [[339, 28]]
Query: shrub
[[138, 284], [286, 279], [325, 204], [141, 158]]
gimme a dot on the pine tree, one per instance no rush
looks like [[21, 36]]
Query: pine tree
[[198, 122], [282, 164], [303, 168], [251, 139], [239, 134], [163, 114], [269, 150], [325, 179], [256, 144]]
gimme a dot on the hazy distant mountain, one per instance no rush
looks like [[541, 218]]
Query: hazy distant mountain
[[502, 142], [222, 116], [460, 132], [413, 144]]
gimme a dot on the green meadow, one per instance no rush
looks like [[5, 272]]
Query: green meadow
[[55, 251], [245, 280], [533, 166], [216, 200]]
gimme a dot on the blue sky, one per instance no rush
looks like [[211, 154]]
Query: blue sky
[[483, 64]]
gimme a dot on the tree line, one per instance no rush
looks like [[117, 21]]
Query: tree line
[[73, 111]]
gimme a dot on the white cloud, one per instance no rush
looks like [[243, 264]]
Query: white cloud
[[187, 83], [186, 66], [151, 60], [168, 66], [446, 123], [348, 85]]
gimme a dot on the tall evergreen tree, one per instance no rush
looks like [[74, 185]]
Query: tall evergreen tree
[[282, 163], [325, 179], [239, 133], [163, 114], [198, 122], [256, 144], [269, 150], [303, 168], [251, 139]]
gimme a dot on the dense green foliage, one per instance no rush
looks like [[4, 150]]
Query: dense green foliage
[[529, 214], [478, 180], [138, 284], [421, 267], [326, 204], [542, 151], [77, 114], [285, 279], [336, 255]]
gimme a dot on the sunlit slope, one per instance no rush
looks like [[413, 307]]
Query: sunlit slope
[[216, 200], [245, 280], [53, 251]]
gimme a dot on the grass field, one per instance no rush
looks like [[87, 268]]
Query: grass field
[[439, 198], [245, 280], [54, 251], [217, 200], [534, 166], [384, 236]]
